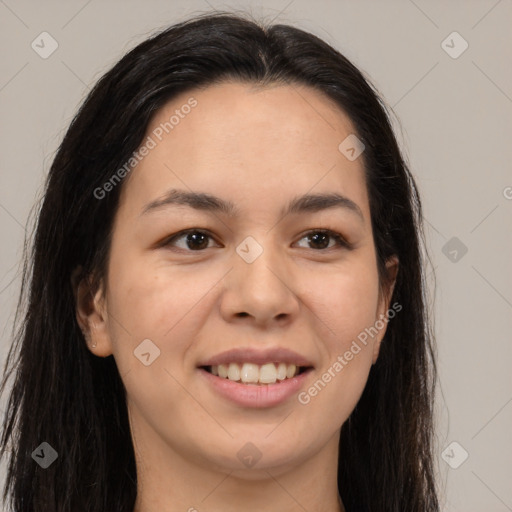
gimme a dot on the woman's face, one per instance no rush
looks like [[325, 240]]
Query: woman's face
[[259, 284]]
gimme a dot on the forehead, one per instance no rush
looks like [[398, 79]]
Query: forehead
[[249, 145]]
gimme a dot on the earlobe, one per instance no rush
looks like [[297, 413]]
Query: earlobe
[[91, 313]]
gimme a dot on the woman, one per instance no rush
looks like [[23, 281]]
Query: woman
[[226, 300]]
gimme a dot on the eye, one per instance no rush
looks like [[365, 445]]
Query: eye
[[320, 238], [194, 239]]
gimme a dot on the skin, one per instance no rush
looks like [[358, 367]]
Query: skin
[[258, 148]]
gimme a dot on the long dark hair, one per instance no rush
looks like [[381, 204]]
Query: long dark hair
[[64, 395]]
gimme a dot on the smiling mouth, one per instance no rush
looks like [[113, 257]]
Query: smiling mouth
[[254, 374]]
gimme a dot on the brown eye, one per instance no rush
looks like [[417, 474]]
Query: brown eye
[[321, 238], [194, 240]]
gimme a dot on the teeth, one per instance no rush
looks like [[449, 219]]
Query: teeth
[[290, 371], [233, 372], [281, 371], [222, 369], [250, 373], [268, 373]]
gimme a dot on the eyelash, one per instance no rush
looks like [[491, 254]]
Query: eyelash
[[342, 243]]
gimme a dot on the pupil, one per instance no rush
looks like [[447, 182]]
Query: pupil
[[194, 237], [324, 237]]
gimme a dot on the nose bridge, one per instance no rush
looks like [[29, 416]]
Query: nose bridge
[[259, 283], [257, 260]]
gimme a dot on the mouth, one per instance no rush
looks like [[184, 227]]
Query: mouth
[[256, 374], [265, 389], [256, 378]]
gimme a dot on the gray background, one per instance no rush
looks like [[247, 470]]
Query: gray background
[[455, 127]]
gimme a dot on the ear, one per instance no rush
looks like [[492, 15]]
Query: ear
[[91, 312], [385, 295]]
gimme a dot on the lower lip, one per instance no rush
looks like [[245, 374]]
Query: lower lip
[[257, 396]]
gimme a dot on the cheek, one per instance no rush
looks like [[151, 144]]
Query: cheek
[[158, 303], [345, 301], [167, 308], [345, 304], [334, 392]]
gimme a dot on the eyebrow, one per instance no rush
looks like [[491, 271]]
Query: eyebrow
[[210, 203]]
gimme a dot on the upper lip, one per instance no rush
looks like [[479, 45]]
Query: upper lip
[[257, 356]]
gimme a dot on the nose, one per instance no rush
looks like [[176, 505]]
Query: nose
[[262, 290]]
